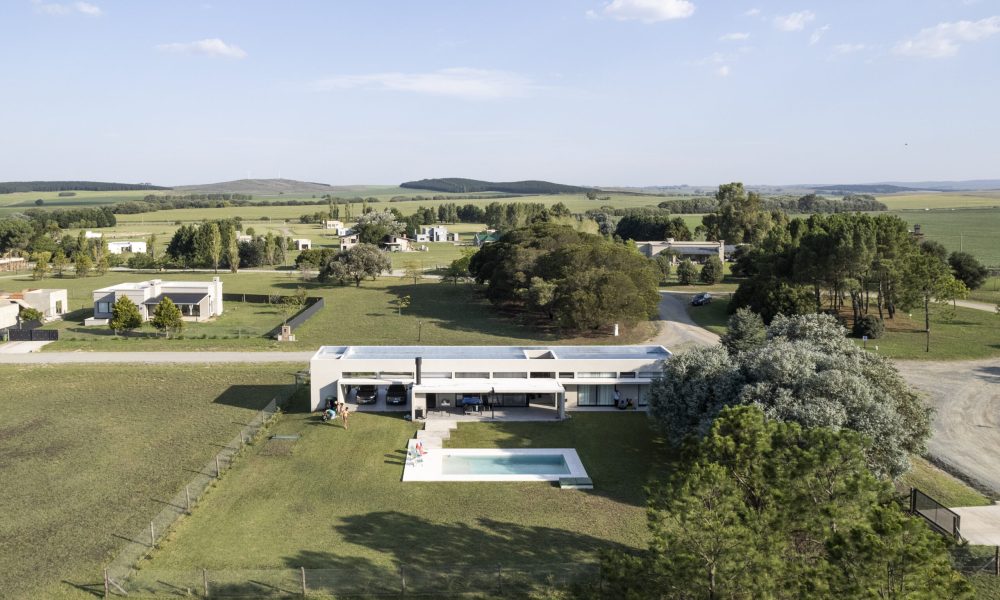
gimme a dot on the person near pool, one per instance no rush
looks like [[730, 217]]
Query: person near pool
[[618, 398]]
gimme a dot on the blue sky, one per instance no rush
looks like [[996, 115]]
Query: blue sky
[[602, 92]]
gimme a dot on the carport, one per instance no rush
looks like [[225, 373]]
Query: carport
[[494, 391], [344, 384]]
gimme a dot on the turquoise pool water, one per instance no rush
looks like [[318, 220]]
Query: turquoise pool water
[[519, 464]]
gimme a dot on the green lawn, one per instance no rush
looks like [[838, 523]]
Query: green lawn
[[939, 485], [713, 316], [973, 230], [940, 200], [87, 459], [990, 292], [971, 334], [440, 314], [334, 500]]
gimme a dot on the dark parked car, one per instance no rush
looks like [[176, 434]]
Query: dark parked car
[[701, 299], [367, 394], [396, 394]]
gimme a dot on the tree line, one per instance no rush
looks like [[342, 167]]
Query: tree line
[[11, 187], [809, 204]]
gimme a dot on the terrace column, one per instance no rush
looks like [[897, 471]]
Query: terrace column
[[561, 405]]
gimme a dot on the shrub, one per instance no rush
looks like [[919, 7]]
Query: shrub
[[686, 272], [869, 325], [711, 271]]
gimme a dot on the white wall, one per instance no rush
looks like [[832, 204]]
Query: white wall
[[8, 314]]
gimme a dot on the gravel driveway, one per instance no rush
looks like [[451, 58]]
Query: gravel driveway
[[966, 425]]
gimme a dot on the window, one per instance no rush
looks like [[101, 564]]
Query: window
[[595, 375], [395, 375], [643, 395], [595, 395], [567, 375], [542, 375], [500, 375], [430, 375], [627, 375], [472, 375], [358, 375], [650, 374], [104, 308]]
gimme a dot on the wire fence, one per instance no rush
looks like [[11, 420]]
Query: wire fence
[[143, 542], [976, 560], [445, 580]]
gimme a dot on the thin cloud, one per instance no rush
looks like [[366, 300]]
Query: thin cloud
[[734, 37], [723, 71], [474, 84], [848, 48], [69, 8], [817, 35], [945, 39], [796, 21], [753, 12], [647, 11], [208, 47]]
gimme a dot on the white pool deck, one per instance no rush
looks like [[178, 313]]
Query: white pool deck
[[429, 466]]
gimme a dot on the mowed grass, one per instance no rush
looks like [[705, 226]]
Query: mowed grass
[[971, 230], [89, 454], [969, 334], [439, 314], [335, 501], [713, 316], [939, 484], [941, 200], [989, 292]]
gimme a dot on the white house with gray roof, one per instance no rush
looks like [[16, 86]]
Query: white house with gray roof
[[198, 300], [445, 377]]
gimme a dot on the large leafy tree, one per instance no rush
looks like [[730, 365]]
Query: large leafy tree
[[760, 508], [125, 315], [357, 264], [930, 283], [167, 317], [375, 225], [740, 218], [968, 270], [807, 372], [580, 280], [637, 226]]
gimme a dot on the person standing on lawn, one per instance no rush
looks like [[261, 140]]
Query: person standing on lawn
[[343, 413]]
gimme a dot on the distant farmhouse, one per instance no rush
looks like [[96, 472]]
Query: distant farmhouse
[[198, 300], [396, 243], [92, 235], [14, 263], [485, 237], [132, 247], [333, 224], [52, 303], [436, 233], [303, 244], [349, 241], [695, 251]]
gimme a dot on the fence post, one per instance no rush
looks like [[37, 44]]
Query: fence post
[[107, 588], [204, 581], [303, 571], [402, 579], [499, 579], [218, 471], [152, 536], [187, 496], [996, 560]]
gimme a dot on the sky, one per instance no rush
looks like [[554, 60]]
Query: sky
[[586, 92]]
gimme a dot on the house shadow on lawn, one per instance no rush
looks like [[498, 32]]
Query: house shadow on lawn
[[253, 397]]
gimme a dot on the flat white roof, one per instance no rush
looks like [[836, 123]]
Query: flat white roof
[[650, 352], [485, 386], [141, 285]]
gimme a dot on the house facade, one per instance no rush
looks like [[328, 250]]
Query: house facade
[[8, 313], [303, 244], [439, 377], [198, 300], [133, 247], [396, 243], [51, 302], [349, 241], [333, 224], [695, 251]]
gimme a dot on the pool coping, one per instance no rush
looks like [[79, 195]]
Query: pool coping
[[428, 469]]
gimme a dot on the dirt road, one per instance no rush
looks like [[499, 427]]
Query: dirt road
[[966, 425], [677, 330]]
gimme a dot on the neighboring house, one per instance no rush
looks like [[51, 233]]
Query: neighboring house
[[14, 263], [332, 224], [198, 300], [133, 247], [344, 231], [696, 251], [454, 237], [242, 237], [395, 243], [485, 237], [52, 303], [303, 244], [348, 242], [8, 314], [436, 233], [92, 235], [556, 377]]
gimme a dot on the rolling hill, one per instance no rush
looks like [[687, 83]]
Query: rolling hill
[[13, 187], [259, 187], [459, 185]]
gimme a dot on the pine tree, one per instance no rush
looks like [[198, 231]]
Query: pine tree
[[125, 315], [167, 317], [83, 264]]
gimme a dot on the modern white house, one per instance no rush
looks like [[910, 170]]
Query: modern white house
[[51, 302], [133, 247], [92, 235], [303, 244], [396, 243], [696, 251], [442, 378], [433, 233], [198, 300], [349, 241], [333, 224], [8, 313]]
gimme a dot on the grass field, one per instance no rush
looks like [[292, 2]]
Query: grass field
[[990, 292], [87, 459], [440, 314], [972, 230], [941, 200], [335, 500], [713, 316], [971, 334], [939, 485]]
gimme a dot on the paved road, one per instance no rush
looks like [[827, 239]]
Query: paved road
[[966, 426], [677, 330], [156, 357], [977, 305]]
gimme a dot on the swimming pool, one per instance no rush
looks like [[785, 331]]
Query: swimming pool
[[483, 464]]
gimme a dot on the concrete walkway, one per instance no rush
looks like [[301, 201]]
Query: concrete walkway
[[22, 347], [677, 330], [156, 357], [980, 524]]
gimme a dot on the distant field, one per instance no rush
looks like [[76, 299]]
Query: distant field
[[974, 230], [941, 200], [14, 202]]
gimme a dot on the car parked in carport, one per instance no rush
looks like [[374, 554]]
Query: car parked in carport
[[367, 394], [396, 394]]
